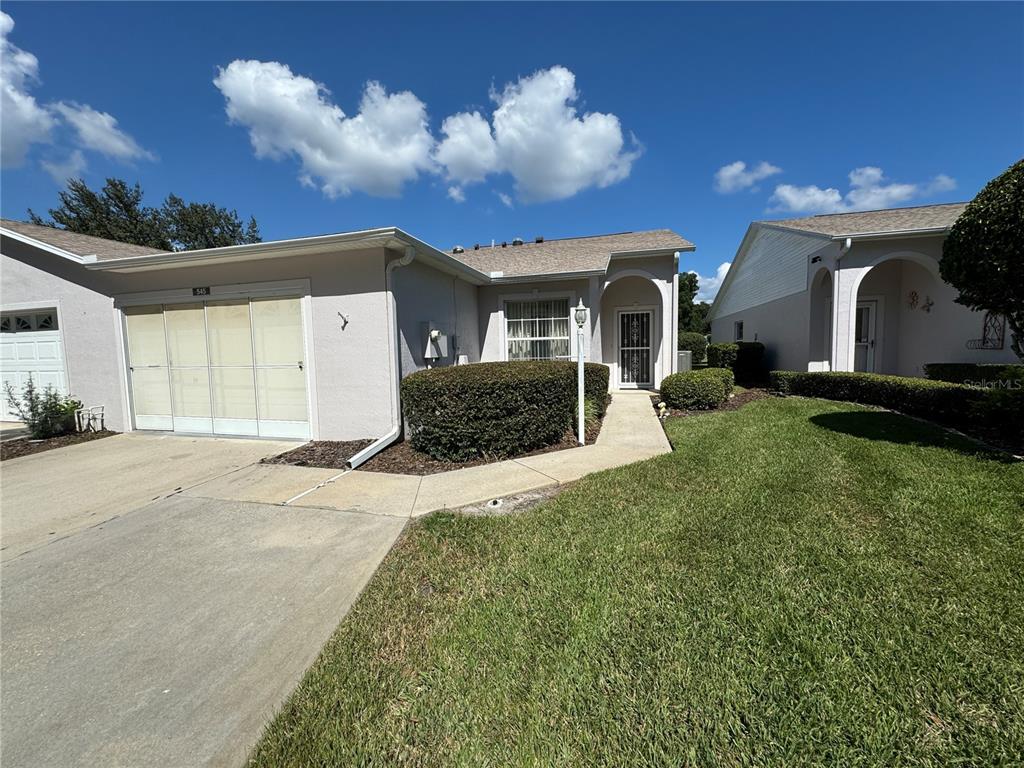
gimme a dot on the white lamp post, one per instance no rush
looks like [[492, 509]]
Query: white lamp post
[[581, 319]]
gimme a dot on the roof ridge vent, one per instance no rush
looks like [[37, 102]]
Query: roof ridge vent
[[517, 241], [539, 239], [458, 249]]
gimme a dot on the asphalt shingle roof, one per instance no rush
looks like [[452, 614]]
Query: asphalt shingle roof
[[80, 245], [869, 222], [573, 254]]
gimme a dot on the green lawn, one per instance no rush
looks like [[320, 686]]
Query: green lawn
[[800, 582]]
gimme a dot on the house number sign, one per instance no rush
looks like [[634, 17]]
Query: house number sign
[[204, 291]]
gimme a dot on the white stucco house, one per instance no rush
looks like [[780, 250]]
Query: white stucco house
[[853, 292], [308, 338]]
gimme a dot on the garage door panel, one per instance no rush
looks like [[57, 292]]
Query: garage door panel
[[229, 333], [30, 348], [186, 335], [277, 331], [234, 393], [147, 343]]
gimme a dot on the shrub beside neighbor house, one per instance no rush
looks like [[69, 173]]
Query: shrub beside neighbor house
[[996, 412], [976, 374], [699, 390], [722, 355], [496, 409], [744, 358], [46, 413], [696, 343]]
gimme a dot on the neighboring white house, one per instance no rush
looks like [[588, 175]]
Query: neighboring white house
[[853, 292], [308, 338]]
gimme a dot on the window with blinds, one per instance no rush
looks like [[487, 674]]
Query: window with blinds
[[537, 330]]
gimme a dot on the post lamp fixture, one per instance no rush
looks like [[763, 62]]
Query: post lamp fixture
[[581, 319]]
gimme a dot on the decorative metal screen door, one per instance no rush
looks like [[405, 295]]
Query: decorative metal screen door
[[635, 348]]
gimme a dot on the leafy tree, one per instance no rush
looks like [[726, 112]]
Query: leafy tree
[[191, 226], [692, 315], [118, 213], [983, 255]]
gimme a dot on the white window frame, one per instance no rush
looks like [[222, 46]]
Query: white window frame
[[737, 330], [504, 299]]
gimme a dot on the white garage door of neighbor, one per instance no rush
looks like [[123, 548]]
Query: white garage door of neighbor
[[220, 367], [30, 346]]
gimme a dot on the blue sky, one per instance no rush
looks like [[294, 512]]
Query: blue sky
[[496, 121]]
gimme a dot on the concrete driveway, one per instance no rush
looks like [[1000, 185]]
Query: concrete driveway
[[165, 632], [49, 495]]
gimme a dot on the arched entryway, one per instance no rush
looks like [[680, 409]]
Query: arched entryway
[[897, 315], [633, 331], [820, 321]]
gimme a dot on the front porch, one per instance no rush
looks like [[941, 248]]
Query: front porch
[[883, 310]]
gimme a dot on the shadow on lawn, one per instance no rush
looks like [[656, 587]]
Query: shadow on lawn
[[896, 428]]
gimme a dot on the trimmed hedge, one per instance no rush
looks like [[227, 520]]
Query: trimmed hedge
[[744, 358], [974, 373], [995, 412], [697, 390], [464, 412], [722, 355], [697, 343], [750, 364]]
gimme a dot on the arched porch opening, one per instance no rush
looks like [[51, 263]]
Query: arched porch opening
[[820, 321], [633, 335], [897, 319]]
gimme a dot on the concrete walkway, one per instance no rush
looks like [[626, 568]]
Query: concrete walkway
[[631, 432]]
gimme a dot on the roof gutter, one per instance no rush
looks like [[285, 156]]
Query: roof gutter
[[382, 237], [902, 233], [381, 443]]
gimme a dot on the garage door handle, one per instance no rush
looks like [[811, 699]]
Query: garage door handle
[[300, 365]]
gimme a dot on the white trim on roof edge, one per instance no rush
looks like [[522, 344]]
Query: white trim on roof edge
[[47, 247]]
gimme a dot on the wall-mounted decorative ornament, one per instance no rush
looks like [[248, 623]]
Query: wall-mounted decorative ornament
[[912, 299], [344, 320], [928, 304]]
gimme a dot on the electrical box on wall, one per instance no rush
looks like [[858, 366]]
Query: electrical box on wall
[[435, 342]]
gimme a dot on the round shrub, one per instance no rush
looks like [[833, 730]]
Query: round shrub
[[728, 378], [697, 390], [696, 343], [722, 355], [495, 409]]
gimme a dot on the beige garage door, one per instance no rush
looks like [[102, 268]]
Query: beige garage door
[[219, 367]]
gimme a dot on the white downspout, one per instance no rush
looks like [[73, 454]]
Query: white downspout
[[381, 443]]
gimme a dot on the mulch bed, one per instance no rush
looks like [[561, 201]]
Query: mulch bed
[[25, 446], [327, 454], [400, 458], [734, 403]]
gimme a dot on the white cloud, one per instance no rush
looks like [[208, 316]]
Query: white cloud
[[735, 176], [537, 136], [456, 194], [385, 145], [506, 200], [869, 189], [24, 121], [707, 287], [62, 170], [98, 131], [468, 151]]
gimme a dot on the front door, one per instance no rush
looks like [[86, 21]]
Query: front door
[[636, 366], [864, 336]]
